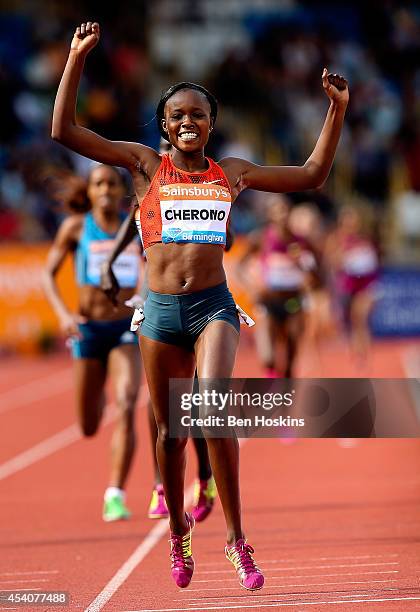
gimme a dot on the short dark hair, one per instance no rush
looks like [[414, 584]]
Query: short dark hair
[[173, 90]]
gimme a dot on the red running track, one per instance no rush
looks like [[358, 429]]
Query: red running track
[[333, 527]]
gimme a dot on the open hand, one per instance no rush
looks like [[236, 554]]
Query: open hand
[[85, 37], [336, 87], [69, 324]]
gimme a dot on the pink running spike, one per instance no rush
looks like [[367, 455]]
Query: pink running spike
[[204, 496], [240, 555], [182, 566], [158, 508]]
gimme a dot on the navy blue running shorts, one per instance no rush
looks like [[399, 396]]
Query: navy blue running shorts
[[180, 319], [100, 337]]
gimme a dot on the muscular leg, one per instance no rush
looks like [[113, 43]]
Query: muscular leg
[[360, 308], [124, 368], [216, 351], [90, 395], [162, 362], [203, 459], [153, 430], [200, 445], [294, 326], [265, 339]]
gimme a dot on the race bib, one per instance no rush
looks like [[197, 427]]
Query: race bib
[[360, 261], [194, 213], [282, 273], [125, 267]]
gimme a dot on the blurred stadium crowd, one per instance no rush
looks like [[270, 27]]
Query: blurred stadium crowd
[[263, 60]]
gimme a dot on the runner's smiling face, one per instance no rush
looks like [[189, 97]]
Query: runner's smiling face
[[105, 188], [187, 120]]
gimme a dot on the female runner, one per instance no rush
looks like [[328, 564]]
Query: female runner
[[102, 342], [287, 271], [352, 258], [205, 488], [190, 317]]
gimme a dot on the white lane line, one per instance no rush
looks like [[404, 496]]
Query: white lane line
[[386, 556], [36, 390], [25, 581], [306, 584], [30, 589], [47, 447], [134, 559], [55, 443], [300, 576], [40, 451], [279, 604], [137, 556], [58, 441], [288, 586], [127, 568], [232, 599], [304, 567], [285, 569], [29, 573]]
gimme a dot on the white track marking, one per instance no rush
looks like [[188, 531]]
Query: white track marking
[[127, 568], [137, 557], [40, 451], [29, 573], [30, 392], [142, 550], [387, 556], [228, 603], [47, 447], [278, 605], [12, 590], [303, 567], [232, 599], [58, 441], [25, 581], [280, 586], [286, 569], [287, 586], [310, 576]]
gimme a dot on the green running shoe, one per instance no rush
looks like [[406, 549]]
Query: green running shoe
[[115, 509]]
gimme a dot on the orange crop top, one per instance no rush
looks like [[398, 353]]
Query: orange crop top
[[185, 207]]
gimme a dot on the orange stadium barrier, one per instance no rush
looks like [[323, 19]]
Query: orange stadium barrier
[[27, 322], [230, 261]]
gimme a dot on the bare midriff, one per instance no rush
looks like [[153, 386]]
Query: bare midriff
[[184, 268], [95, 305]]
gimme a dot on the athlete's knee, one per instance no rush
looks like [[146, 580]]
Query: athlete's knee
[[168, 443], [126, 402]]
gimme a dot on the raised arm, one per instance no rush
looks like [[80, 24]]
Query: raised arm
[[284, 179], [65, 129]]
